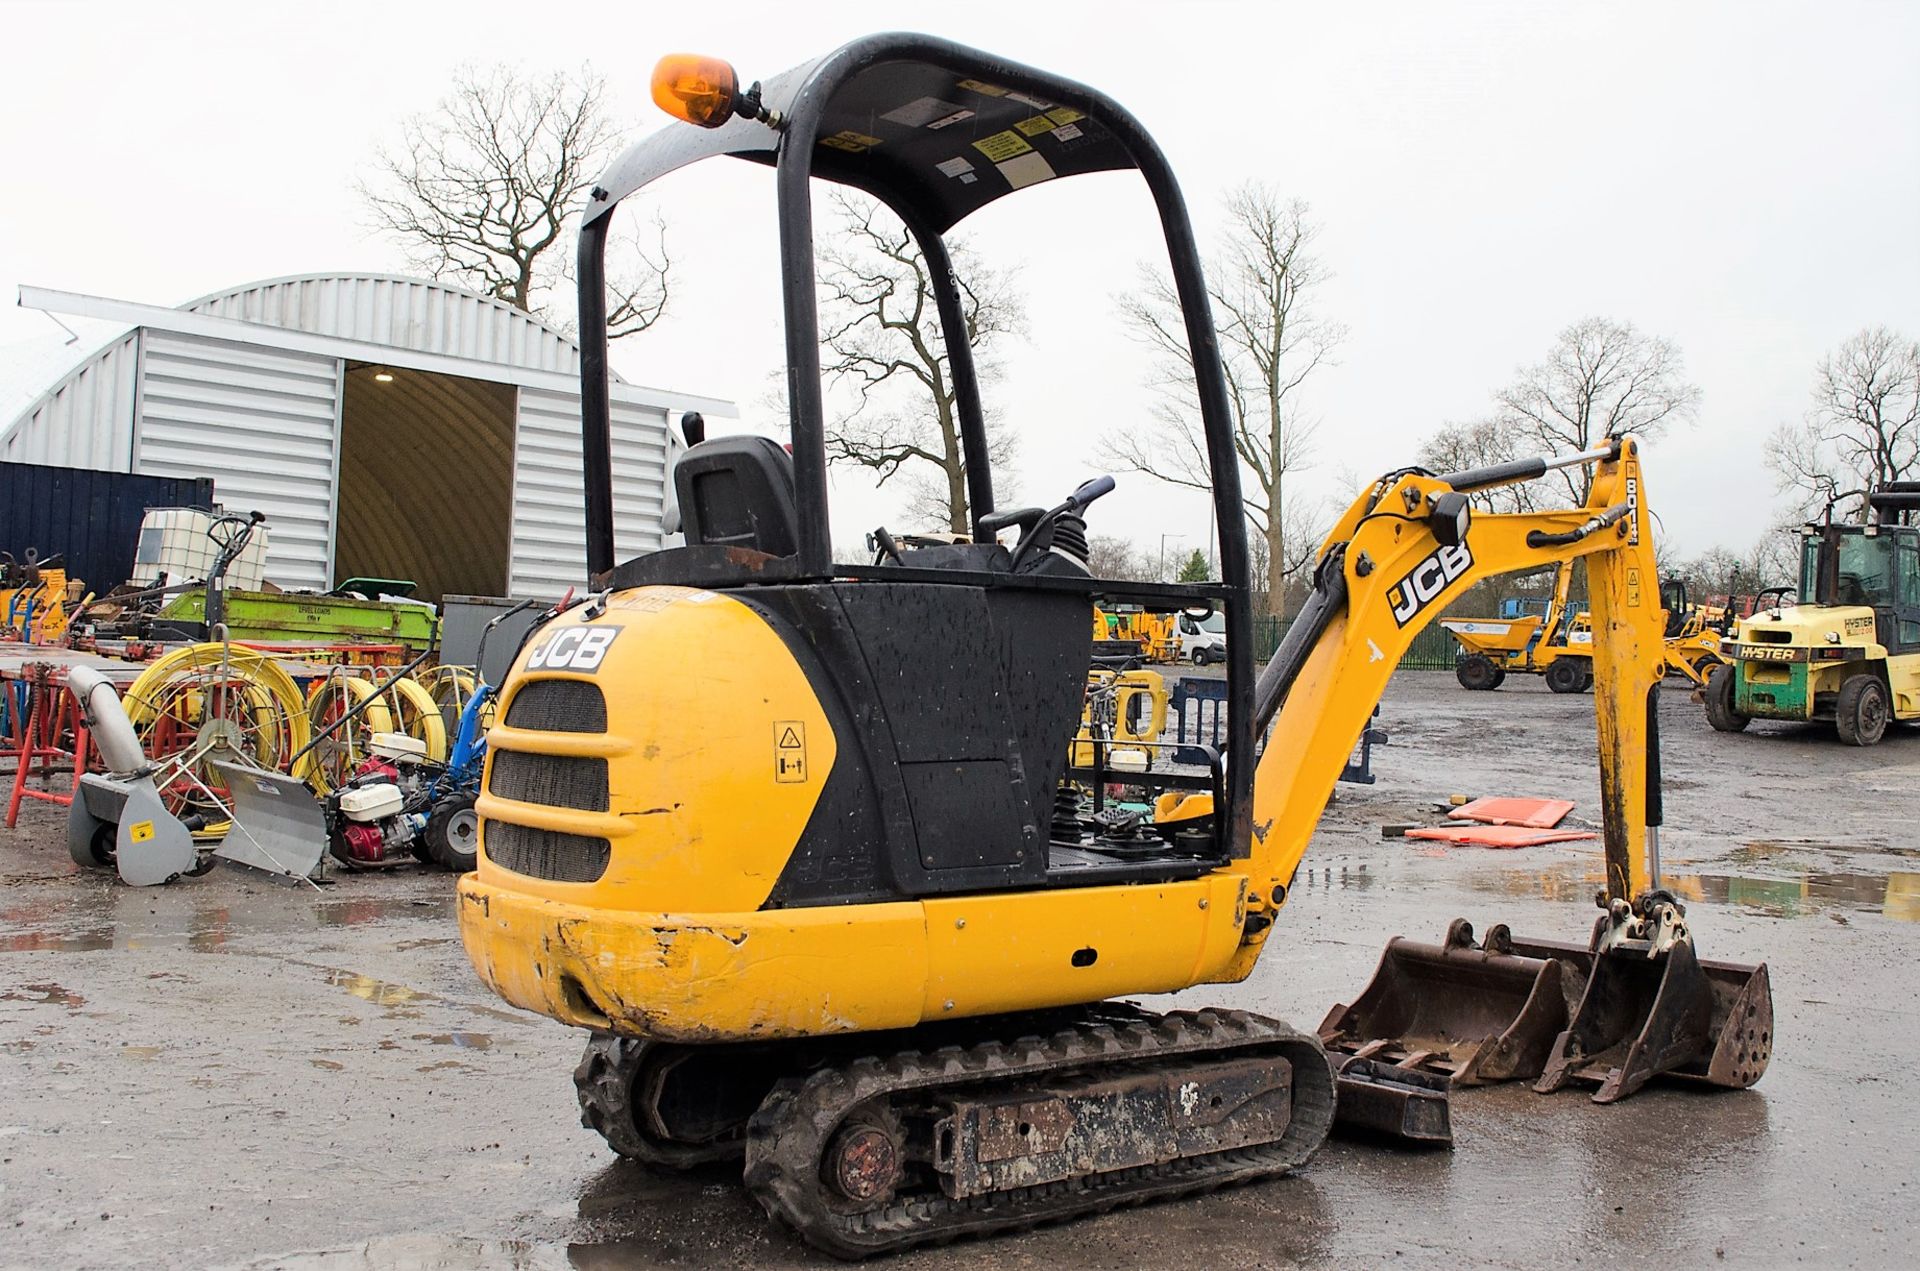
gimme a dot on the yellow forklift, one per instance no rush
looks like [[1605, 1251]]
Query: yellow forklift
[[815, 897], [1849, 651]]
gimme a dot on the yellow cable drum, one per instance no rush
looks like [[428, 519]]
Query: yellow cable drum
[[203, 698]]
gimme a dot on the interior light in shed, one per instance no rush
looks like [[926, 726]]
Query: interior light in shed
[[383, 377]]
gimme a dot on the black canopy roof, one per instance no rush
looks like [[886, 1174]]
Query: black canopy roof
[[929, 127]]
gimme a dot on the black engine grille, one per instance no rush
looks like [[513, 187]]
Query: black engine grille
[[549, 854], [558, 706], [558, 781]]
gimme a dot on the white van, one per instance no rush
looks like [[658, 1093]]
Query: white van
[[1203, 640]]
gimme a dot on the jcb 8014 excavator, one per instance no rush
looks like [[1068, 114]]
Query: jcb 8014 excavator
[[815, 895]]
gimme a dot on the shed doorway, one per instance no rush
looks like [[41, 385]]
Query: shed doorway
[[426, 481]]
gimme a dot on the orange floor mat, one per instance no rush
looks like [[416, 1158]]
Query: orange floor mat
[[1541, 814], [1498, 835]]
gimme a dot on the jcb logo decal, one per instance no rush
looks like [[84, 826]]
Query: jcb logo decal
[[1426, 580], [573, 649]]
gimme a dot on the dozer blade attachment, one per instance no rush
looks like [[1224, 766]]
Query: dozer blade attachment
[[1404, 1104], [1652, 1008], [278, 827], [1471, 1013]]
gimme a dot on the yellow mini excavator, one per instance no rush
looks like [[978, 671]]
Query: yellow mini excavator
[[814, 894]]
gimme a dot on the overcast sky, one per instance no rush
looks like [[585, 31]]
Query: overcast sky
[[1743, 179]]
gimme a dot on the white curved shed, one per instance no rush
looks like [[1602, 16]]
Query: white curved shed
[[387, 426]]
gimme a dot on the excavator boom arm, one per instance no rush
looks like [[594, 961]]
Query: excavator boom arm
[[1396, 559]]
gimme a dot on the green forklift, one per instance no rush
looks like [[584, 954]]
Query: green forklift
[[1849, 651]]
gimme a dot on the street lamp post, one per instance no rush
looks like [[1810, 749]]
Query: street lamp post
[[1163, 553]]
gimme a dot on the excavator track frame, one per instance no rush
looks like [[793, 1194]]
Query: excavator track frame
[[792, 1133]]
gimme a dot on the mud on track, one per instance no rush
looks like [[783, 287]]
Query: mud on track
[[224, 1072]]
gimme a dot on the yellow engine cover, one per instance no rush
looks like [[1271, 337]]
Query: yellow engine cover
[[716, 750]]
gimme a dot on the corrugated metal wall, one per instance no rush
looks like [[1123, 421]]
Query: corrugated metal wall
[[549, 528], [92, 519], [87, 421], [261, 422], [408, 313]]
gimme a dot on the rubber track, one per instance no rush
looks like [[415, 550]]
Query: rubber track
[[604, 1083], [789, 1134]]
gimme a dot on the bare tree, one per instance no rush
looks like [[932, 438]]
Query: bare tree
[[1260, 282], [1771, 561], [1110, 557], [1863, 429], [1601, 379], [882, 341], [482, 190]]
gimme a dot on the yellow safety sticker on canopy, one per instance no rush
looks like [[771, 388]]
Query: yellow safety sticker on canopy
[[1065, 115], [850, 141], [1002, 145], [985, 90], [140, 831], [1035, 126]]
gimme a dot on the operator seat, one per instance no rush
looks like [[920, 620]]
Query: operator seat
[[738, 492]]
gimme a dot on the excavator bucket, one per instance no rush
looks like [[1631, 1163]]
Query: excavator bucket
[[1470, 1013], [1652, 1008], [1633, 1003]]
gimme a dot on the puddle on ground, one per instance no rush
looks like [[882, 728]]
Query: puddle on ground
[[465, 1041], [354, 911], [1895, 895], [398, 997], [1780, 893], [1771, 849], [118, 920], [45, 995], [379, 992]]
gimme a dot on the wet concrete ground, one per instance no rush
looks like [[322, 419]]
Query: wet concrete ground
[[223, 1072]]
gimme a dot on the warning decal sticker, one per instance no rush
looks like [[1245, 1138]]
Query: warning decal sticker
[[921, 112], [954, 166], [1035, 126], [850, 141], [985, 90], [1065, 115], [1026, 169], [789, 750], [1003, 145]]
